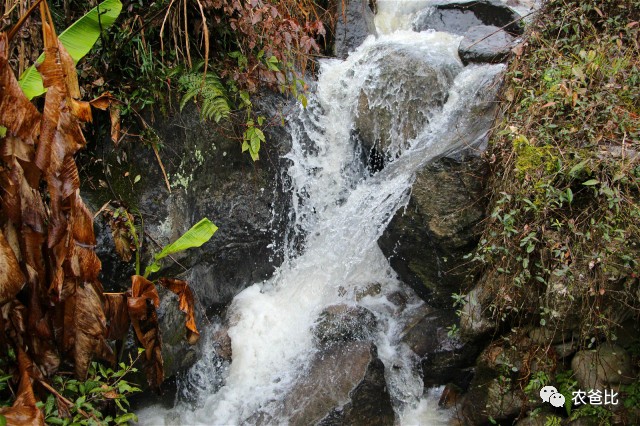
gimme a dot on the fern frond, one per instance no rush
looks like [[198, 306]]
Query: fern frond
[[211, 92]]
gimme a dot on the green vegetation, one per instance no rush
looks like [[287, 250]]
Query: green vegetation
[[196, 236], [560, 253], [101, 399], [218, 54], [566, 186]]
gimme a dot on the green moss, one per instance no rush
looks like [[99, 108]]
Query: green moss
[[532, 158]]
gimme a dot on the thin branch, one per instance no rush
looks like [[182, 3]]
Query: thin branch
[[502, 28]]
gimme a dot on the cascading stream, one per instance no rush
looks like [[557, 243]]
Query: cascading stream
[[341, 212]]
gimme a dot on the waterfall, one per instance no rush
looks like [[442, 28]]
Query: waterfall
[[340, 211]]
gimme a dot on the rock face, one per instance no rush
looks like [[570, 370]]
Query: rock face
[[209, 177], [458, 17], [443, 358], [354, 24], [344, 385]]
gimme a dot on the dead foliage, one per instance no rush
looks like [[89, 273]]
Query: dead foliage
[[52, 303]]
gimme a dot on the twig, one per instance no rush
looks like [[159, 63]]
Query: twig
[[164, 173], [155, 150], [8, 12], [66, 401], [103, 208], [166, 15], [205, 31], [104, 45], [186, 33], [502, 28]]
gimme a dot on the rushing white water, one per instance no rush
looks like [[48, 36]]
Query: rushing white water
[[341, 212]]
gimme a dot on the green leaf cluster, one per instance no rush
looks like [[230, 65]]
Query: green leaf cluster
[[101, 399], [199, 234], [209, 90]]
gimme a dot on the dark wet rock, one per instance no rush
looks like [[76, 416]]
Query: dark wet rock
[[177, 353], [602, 368], [369, 290], [458, 17], [210, 177], [443, 358], [401, 98], [222, 343], [353, 25], [344, 384], [426, 242], [399, 299], [344, 323], [450, 396], [485, 43]]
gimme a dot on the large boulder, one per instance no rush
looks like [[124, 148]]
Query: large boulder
[[458, 17], [344, 384], [400, 98], [343, 323], [427, 241], [354, 23], [485, 43], [603, 368]]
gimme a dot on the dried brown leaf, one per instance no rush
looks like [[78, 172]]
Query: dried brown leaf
[[11, 277], [17, 114], [24, 410], [142, 306], [117, 315], [90, 327], [121, 233], [114, 115]]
